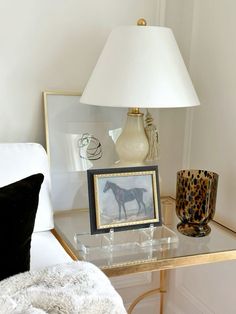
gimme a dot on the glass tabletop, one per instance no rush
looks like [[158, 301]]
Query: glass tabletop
[[175, 250]]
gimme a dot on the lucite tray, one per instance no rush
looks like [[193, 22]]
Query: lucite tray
[[123, 243]]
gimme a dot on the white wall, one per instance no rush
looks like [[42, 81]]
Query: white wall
[[173, 138], [213, 65], [52, 45], [211, 50]]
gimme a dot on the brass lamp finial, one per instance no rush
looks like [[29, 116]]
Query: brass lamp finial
[[142, 22]]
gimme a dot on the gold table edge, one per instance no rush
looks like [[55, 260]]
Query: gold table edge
[[168, 263], [64, 244], [153, 264]]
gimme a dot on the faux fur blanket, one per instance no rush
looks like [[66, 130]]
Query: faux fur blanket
[[76, 287]]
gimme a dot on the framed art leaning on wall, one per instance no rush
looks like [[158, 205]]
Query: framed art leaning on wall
[[78, 137], [123, 198]]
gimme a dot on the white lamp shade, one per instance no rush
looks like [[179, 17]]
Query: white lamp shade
[[140, 66]]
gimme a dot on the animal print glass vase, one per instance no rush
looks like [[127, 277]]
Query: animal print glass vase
[[195, 201]]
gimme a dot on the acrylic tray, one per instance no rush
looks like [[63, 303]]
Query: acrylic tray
[[137, 242]]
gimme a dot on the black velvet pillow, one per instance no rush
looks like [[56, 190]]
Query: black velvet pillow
[[18, 207]]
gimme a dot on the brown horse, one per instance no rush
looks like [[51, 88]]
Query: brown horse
[[123, 196]]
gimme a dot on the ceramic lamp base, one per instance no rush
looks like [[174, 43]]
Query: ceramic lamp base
[[193, 230], [132, 145]]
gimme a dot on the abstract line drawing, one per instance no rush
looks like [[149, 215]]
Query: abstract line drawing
[[90, 147]]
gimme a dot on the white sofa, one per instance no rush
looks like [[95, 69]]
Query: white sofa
[[55, 283], [19, 160]]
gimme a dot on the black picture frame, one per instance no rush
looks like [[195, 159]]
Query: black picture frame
[[137, 188]]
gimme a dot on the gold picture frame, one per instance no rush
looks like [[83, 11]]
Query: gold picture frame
[[69, 127], [123, 198]]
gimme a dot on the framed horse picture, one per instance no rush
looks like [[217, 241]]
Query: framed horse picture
[[123, 198]]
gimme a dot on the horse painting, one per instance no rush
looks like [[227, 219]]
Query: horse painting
[[123, 196]]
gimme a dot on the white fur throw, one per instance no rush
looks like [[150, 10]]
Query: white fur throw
[[72, 288]]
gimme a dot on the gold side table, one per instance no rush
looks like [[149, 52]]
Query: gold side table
[[220, 245]]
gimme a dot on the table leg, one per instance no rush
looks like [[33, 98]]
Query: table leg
[[163, 277], [161, 290]]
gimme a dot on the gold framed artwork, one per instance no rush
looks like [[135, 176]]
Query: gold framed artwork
[[78, 137], [123, 198]]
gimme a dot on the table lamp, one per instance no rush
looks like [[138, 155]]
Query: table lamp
[[139, 67]]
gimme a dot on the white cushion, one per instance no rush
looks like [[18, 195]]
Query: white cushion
[[19, 160], [46, 242]]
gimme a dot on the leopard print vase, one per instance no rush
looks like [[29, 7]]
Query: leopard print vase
[[195, 201]]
